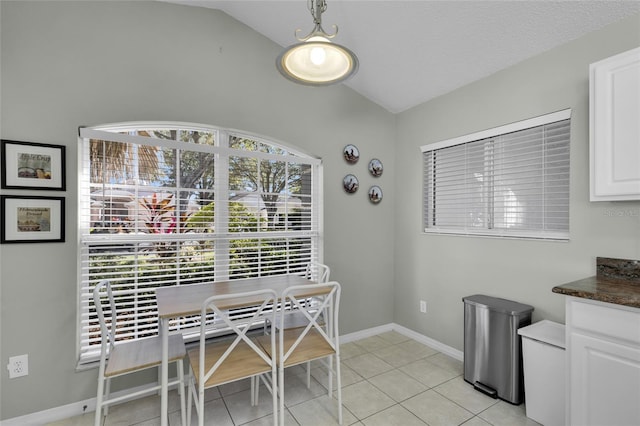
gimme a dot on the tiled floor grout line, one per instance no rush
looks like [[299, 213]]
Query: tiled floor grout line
[[432, 388], [406, 399]]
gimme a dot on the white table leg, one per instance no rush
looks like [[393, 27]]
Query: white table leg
[[164, 373]]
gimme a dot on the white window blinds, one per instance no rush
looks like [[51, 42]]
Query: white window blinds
[[511, 181], [168, 205]]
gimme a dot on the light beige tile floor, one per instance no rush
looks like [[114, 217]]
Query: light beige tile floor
[[387, 380]]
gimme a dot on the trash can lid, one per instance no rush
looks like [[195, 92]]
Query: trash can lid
[[545, 331], [497, 304]]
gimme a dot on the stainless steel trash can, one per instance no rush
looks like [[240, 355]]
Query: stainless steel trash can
[[492, 346]]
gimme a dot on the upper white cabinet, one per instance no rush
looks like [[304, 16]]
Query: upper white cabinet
[[614, 137]]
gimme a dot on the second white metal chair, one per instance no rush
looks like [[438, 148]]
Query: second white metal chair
[[318, 273], [224, 361], [313, 341]]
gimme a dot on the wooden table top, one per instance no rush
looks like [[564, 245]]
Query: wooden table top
[[177, 301]]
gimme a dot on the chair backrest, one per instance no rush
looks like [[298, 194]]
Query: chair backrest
[[318, 272], [107, 332], [328, 295], [262, 302]]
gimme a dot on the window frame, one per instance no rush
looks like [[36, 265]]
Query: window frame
[[221, 189], [488, 135]]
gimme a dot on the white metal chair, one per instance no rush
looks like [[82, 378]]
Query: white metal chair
[[117, 359], [219, 362], [312, 342], [319, 273]]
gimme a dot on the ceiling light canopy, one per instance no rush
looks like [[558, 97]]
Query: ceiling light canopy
[[316, 61]]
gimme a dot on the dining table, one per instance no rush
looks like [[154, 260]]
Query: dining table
[[183, 300]]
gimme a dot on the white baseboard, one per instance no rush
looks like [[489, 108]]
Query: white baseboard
[[89, 405], [86, 407], [439, 346], [362, 334], [54, 414]]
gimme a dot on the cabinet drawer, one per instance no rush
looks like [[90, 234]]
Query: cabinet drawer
[[622, 323]]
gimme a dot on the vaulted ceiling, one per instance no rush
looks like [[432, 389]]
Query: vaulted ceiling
[[413, 51]]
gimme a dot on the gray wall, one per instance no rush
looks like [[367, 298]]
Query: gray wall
[[68, 64], [444, 269]]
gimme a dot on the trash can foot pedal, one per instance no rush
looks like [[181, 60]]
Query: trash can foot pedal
[[485, 390]]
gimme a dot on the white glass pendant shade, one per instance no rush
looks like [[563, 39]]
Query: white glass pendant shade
[[317, 62]]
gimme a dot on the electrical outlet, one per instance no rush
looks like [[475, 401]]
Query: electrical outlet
[[18, 366], [423, 306]]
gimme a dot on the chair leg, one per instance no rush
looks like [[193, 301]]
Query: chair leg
[[255, 386], [274, 396], [99, 399], [180, 367], [201, 405], [339, 385], [280, 391], [159, 370], [196, 392], [308, 374], [189, 398], [329, 316], [107, 394], [330, 378]]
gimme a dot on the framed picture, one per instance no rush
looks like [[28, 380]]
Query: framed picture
[[350, 184], [351, 154], [30, 165], [28, 219]]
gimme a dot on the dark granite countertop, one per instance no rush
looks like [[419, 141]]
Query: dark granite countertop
[[617, 281]]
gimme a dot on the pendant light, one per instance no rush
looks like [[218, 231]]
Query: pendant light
[[316, 61]]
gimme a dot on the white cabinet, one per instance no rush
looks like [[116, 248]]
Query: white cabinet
[[603, 356], [614, 127]]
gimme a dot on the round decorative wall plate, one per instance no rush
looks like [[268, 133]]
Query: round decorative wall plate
[[375, 194], [350, 184], [351, 154], [375, 167]]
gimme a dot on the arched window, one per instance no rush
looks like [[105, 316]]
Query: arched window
[[172, 204]]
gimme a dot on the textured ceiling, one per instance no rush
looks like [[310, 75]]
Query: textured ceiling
[[413, 51]]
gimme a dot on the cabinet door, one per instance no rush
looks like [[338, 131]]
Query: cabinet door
[[605, 382], [614, 101]]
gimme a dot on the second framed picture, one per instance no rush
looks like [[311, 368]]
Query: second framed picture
[[28, 219]]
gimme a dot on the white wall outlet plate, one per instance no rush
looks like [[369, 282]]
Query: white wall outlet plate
[[18, 366]]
